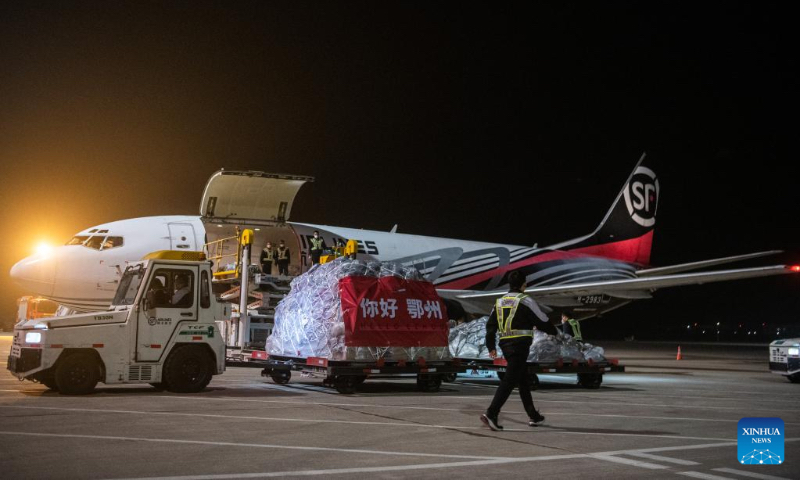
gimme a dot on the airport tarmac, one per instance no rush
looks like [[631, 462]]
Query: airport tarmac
[[661, 419]]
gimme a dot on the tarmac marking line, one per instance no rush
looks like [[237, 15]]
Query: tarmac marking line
[[253, 445], [744, 473], [659, 458], [413, 407], [705, 476], [628, 461], [350, 422]]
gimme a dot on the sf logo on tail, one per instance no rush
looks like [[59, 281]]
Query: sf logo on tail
[[641, 196]]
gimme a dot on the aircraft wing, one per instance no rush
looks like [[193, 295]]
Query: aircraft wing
[[629, 287], [685, 267]]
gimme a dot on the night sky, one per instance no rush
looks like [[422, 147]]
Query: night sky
[[445, 118]]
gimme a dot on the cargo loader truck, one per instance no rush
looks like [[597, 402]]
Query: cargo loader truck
[[162, 329]]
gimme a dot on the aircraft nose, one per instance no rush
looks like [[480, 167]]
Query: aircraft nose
[[36, 274]]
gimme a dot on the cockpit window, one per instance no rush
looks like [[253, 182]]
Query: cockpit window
[[92, 230], [95, 242], [102, 231], [77, 240], [112, 242]]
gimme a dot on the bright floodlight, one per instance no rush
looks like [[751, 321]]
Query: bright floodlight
[[43, 248]]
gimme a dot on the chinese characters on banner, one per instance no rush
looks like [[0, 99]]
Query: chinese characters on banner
[[392, 311]]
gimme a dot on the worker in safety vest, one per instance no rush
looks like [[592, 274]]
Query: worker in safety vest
[[266, 257], [570, 326], [317, 246], [282, 257], [514, 316]]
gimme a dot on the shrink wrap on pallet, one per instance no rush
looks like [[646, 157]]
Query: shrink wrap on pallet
[[310, 322], [468, 340]]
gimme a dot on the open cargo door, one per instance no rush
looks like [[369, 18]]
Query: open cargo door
[[249, 198]]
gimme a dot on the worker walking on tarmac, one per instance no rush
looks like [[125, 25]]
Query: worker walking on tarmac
[[317, 246], [570, 326], [282, 257], [267, 255], [515, 317]]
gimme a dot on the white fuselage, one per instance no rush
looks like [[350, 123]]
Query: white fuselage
[[84, 275]]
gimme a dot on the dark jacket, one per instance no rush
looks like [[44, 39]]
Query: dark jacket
[[528, 316]]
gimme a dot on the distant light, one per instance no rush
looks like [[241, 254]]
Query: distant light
[[257, 229], [220, 226], [795, 268], [718, 324], [688, 326], [43, 248]]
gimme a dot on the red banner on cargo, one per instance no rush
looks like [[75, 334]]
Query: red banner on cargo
[[391, 311]]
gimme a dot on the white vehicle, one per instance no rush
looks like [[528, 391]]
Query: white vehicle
[[784, 358], [586, 276], [161, 329]]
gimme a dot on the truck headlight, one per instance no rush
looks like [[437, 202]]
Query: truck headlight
[[33, 337], [793, 352]]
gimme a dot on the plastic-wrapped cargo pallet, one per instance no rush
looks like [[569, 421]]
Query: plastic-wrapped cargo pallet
[[310, 322], [468, 340]]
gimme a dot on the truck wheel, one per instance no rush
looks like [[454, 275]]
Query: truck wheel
[[794, 378], [46, 378], [429, 382], [187, 370], [345, 384], [281, 377], [77, 374], [449, 377], [534, 381]]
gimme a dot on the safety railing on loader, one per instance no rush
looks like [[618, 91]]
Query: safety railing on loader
[[221, 252]]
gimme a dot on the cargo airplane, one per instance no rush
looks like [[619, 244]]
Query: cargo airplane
[[587, 276]]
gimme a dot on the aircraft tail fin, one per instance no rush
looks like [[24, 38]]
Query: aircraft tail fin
[[626, 232]]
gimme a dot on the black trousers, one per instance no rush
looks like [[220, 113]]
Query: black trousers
[[315, 254], [283, 267], [516, 355], [266, 268]]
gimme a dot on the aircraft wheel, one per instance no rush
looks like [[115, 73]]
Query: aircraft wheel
[[187, 369], [77, 374]]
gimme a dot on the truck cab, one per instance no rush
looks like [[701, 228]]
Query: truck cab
[[161, 329]]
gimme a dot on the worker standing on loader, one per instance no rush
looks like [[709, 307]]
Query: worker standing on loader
[[282, 257], [266, 258], [317, 246], [515, 317]]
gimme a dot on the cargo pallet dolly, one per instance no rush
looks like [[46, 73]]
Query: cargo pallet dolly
[[590, 374], [346, 375]]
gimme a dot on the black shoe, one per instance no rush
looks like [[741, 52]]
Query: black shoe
[[491, 422], [536, 420]]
